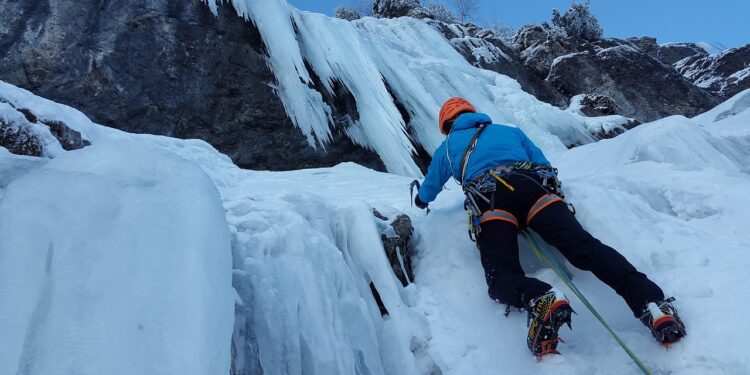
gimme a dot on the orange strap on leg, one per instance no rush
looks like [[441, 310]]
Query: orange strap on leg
[[541, 204], [498, 215]]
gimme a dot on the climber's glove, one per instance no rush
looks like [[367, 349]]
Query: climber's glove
[[418, 202]]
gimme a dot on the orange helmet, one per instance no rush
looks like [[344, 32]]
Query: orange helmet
[[450, 111]]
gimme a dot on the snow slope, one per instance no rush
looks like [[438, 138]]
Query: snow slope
[[129, 231], [414, 60]]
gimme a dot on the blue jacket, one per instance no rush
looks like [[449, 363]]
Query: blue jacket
[[498, 145]]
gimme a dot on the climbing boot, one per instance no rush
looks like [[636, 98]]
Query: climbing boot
[[662, 320], [547, 314]]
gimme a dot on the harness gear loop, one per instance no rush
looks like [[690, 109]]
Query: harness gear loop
[[473, 213], [473, 226]]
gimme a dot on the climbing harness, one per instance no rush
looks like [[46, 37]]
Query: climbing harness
[[547, 257], [485, 185]]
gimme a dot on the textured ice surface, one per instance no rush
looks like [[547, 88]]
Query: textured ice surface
[[419, 65]]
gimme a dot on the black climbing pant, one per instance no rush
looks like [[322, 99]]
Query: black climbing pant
[[498, 245]]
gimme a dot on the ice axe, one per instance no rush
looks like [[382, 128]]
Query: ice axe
[[411, 194]]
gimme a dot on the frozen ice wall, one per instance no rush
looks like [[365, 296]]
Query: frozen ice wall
[[113, 259], [415, 61], [121, 251], [303, 266]]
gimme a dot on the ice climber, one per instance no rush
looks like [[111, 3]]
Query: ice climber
[[510, 185]]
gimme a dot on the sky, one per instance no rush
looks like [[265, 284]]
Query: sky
[[719, 22]]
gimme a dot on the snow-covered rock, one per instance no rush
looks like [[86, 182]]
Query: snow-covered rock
[[671, 53], [17, 135], [23, 132], [539, 46], [635, 81], [629, 71], [594, 105], [724, 74], [396, 237], [483, 49], [601, 118]]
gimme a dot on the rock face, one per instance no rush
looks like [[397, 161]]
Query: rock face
[[162, 67], [484, 50], [635, 73], [396, 239], [19, 139], [69, 139], [539, 46], [596, 105], [23, 133], [674, 52], [627, 71], [642, 87], [724, 75]]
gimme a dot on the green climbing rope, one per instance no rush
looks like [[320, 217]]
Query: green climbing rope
[[544, 256]]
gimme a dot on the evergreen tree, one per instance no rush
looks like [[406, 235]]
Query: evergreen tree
[[578, 22]]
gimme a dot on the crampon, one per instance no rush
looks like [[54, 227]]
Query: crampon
[[546, 315], [662, 320]]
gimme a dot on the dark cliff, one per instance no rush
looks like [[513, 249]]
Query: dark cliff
[[165, 67]]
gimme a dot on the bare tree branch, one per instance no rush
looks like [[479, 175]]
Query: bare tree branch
[[363, 7], [465, 9]]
